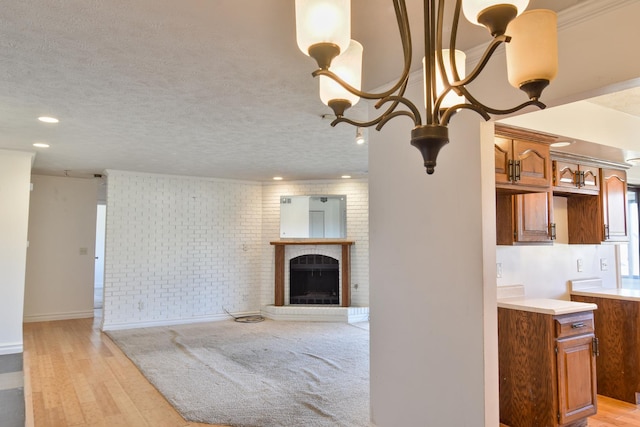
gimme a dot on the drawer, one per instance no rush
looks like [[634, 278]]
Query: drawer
[[574, 324]]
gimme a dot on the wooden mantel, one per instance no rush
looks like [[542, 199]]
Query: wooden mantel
[[345, 267]]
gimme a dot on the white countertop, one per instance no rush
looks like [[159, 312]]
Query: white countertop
[[613, 293], [546, 306]]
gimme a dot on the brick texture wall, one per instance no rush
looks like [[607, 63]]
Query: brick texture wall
[[180, 248]]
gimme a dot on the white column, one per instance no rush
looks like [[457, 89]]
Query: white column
[[15, 172]]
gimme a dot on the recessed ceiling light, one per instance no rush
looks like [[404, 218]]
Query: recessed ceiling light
[[46, 119], [41, 145], [346, 176], [561, 144], [277, 178]]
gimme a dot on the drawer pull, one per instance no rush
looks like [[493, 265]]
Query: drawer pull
[[578, 325]]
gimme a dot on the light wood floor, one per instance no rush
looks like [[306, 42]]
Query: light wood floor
[[76, 376]]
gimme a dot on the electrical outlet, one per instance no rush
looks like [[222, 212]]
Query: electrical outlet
[[580, 265], [499, 270], [604, 264]]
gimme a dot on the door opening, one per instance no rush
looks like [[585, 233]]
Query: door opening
[[98, 281]]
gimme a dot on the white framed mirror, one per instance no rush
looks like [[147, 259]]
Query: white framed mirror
[[315, 216]]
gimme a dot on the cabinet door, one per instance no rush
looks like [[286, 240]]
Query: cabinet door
[[534, 163], [503, 154], [565, 174], [576, 364], [614, 204], [533, 217], [590, 178]]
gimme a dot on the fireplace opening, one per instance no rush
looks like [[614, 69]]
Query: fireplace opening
[[314, 279]]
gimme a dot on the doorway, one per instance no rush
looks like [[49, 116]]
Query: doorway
[[98, 281]]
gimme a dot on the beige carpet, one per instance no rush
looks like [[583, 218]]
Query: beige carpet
[[265, 374]]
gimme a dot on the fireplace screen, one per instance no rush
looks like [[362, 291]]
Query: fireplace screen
[[314, 279]]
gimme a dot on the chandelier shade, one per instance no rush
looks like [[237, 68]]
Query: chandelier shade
[[451, 98], [347, 66], [532, 53], [323, 28]]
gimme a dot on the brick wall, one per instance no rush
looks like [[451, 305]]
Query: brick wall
[[357, 229], [180, 249]]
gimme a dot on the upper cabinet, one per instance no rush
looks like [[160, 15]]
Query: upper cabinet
[[602, 218], [575, 177], [614, 205], [524, 218], [522, 165]]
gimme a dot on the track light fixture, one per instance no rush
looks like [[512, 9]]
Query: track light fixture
[[324, 32]]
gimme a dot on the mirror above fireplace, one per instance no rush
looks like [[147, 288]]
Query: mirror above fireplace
[[317, 217]]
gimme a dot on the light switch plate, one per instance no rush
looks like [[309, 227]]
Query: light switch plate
[[604, 264], [580, 265]]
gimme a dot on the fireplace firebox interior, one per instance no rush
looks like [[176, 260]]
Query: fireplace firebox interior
[[314, 279]]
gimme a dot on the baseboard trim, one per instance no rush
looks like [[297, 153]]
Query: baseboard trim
[[58, 316], [11, 348], [169, 322]]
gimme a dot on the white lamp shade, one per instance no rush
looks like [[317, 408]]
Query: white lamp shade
[[347, 66], [323, 21], [532, 53], [472, 8], [451, 98]]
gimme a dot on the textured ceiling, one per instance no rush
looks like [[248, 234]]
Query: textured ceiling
[[197, 87]]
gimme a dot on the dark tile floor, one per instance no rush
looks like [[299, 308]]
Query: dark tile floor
[[11, 391]]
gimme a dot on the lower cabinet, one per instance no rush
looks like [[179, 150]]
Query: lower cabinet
[[618, 324], [547, 368]]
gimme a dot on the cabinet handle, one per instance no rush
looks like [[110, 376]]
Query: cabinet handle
[[606, 232], [596, 346], [576, 179], [578, 325], [510, 170], [517, 177], [552, 230]]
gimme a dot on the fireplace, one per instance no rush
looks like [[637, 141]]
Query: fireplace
[[314, 279], [282, 266]]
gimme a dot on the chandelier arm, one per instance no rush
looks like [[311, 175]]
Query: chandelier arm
[[410, 105], [484, 111], [449, 112], [497, 41], [385, 119], [405, 37]]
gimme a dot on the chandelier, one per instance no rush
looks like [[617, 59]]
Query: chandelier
[[323, 29]]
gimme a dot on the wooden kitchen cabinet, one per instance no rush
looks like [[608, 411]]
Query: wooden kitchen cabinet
[[618, 366], [522, 165], [614, 205], [575, 177], [547, 368], [524, 218], [602, 218]]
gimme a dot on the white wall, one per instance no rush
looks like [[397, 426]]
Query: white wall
[[433, 330], [60, 260], [15, 170], [180, 249], [357, 230]]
